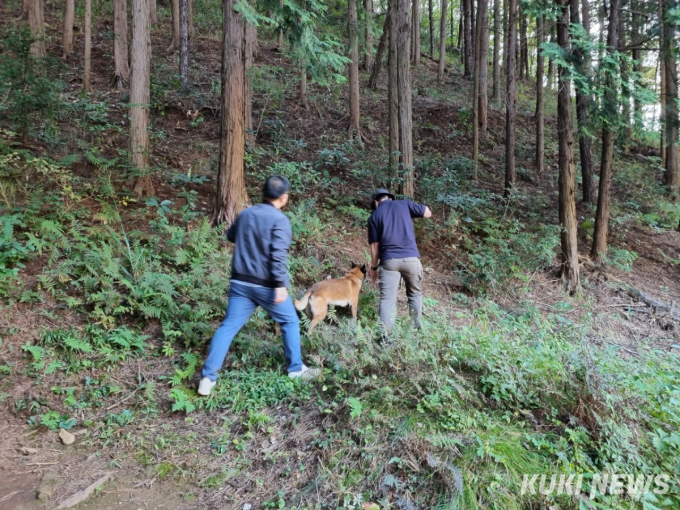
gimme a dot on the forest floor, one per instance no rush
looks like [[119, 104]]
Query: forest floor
[[264, 441]]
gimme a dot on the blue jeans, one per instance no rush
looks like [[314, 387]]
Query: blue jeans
[[243, 299]]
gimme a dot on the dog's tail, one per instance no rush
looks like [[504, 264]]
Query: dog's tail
[[301, 304]]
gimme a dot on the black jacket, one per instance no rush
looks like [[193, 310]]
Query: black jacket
[[262, 235]]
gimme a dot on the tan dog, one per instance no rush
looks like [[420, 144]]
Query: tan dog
[[342, 291]]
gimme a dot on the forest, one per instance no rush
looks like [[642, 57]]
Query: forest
[[542, 134]]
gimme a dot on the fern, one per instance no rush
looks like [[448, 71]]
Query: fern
[[355, 407], [181, 401]]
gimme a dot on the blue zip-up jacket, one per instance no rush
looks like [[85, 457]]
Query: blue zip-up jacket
[[262, 235]]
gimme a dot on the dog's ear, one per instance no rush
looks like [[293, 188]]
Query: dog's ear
[[363, 269], [353, 265]]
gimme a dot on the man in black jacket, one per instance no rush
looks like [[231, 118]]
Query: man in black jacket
[[262, 235]]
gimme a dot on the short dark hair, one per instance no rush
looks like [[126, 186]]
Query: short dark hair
[[275, 187]]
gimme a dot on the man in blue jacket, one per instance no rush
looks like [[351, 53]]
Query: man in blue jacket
[[262, 235]]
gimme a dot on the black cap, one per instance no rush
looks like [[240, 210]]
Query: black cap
[[275, 187], [379, 193]]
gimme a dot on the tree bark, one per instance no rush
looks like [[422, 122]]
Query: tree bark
[[69, 15], [637, 67], [25, 7], [231, 196], [36, 23], [404, 93], [459, 43], [482, 63], [279, 44], [551, 65], [540, 125], [302, 91], [524, 46], [190, 15], [368, 57], [567, 176], [510, 170], [184, 43], [415, 39], [662, 87], [382, 44], [582, 100], [87, 81], [153, 15], [140, 98], [354, 130], [599, 249], [251, 43], [431, 20], [442, 42], [496, 95], [505, 28], [393, 92], [174, 43], [467, 38], [120, 44], [625, 86], [671, 104]]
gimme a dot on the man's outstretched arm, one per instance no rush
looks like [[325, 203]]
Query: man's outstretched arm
[[375, 259]]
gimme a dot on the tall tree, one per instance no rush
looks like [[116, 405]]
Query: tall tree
[[415, 39], [467, 38], [121, 74], [184, 43], [153, 14], [496, 95], [637, 64], [140, 95], [407, 187], [669, 10], [69, 15], [87, 80], [279, 44], [610, 114], [231, 196], [523, 45], [551, 66], [174, 43], [626, 132], [538, 117], [567, 175], [582, 99], [36, 23], [442, 42], [662, 85], [483, 62], [431, 19], [511, 98], [481, 69], [382, 44], [250, 45], [392, 90], [354, 130], [368, 57]]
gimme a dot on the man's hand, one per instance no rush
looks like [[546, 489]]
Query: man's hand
[[373, 273], [280, 295]]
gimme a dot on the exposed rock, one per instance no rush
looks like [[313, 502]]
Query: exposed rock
[[66, 437]]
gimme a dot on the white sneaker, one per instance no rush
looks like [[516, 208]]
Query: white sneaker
[[306, 373], [206, 386]]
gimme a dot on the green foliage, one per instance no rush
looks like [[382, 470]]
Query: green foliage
[[30, 96], [497, 251]]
